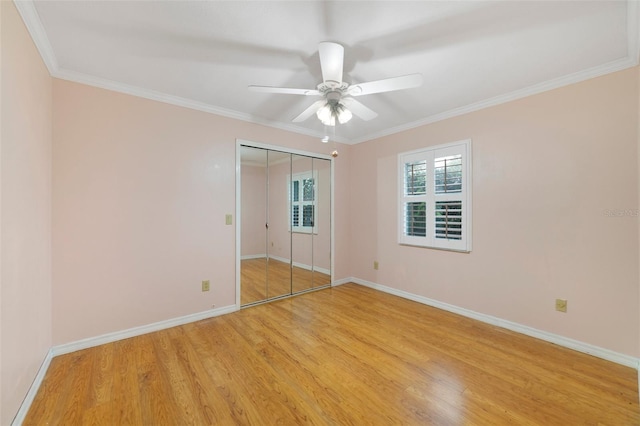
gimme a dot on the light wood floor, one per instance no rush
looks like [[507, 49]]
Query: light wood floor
[[343, 356], [262, 280]]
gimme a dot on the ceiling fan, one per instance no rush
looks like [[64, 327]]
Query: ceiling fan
[[338, 103]]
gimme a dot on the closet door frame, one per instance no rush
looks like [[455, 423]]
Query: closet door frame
[[238, 212]]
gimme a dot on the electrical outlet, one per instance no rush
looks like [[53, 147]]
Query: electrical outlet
[[376, 265], [205, 285], [561, 305], [228, 219]]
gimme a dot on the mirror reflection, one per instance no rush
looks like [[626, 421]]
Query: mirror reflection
[[285, 224]]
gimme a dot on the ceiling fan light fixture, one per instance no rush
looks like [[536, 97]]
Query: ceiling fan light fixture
[[325, 114], [336, 94], [328, 114], [344, 114]]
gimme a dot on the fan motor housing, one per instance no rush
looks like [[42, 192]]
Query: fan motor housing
[[332, 86], [333, 97]]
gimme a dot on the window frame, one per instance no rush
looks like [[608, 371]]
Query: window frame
[[430, 197], [300, 177]]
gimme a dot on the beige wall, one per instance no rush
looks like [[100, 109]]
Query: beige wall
[[140, 192], [25, 224], [545, 170]]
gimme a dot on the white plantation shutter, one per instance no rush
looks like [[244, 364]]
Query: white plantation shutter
[[434, 203], [302, 202]]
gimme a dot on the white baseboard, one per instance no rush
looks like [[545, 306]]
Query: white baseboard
[[603, 353], [253, 256], [101, 340], [33, 390], [341, 281], [301, 265], [566, 342], [279, 259], [309, 268], [137, 331]]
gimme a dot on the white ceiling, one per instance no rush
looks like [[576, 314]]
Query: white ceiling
[[204, 54]]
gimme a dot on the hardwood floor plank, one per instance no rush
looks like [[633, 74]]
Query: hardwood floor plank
[[262, 279], [101, 385], [53, 391], [81, 365], [346, 355], [126, 407]]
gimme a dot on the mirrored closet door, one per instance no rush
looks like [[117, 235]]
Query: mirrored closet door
[[285, 206]]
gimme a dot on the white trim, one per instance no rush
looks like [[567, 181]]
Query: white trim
[[29, 14], [310, 268], [608, 68], [33, 390], [280, 259], [253, 256], [239, 257], [566, 342], [597, 71], [430, 197], [284, 149], [341, 281], [101, 340], [238, 241], [138, 331], [301, 265], [300, 177], [332, 201], [153, 95], [32, 21]]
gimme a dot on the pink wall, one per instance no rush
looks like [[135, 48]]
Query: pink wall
[[279, 237], [545, 170], [25, 213], [306, 250], [254, 200], [140, 192]]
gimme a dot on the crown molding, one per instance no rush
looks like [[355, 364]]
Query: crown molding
[[140, 92], [30, 16], [618, 65], [631, 60], [31, 19]]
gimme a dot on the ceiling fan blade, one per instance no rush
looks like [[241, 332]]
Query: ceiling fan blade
[[284, 90], [386, 85], [359, 109], [309, 111], [331, 61]]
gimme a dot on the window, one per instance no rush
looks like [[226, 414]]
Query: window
[[302, 199], [434, 202]]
